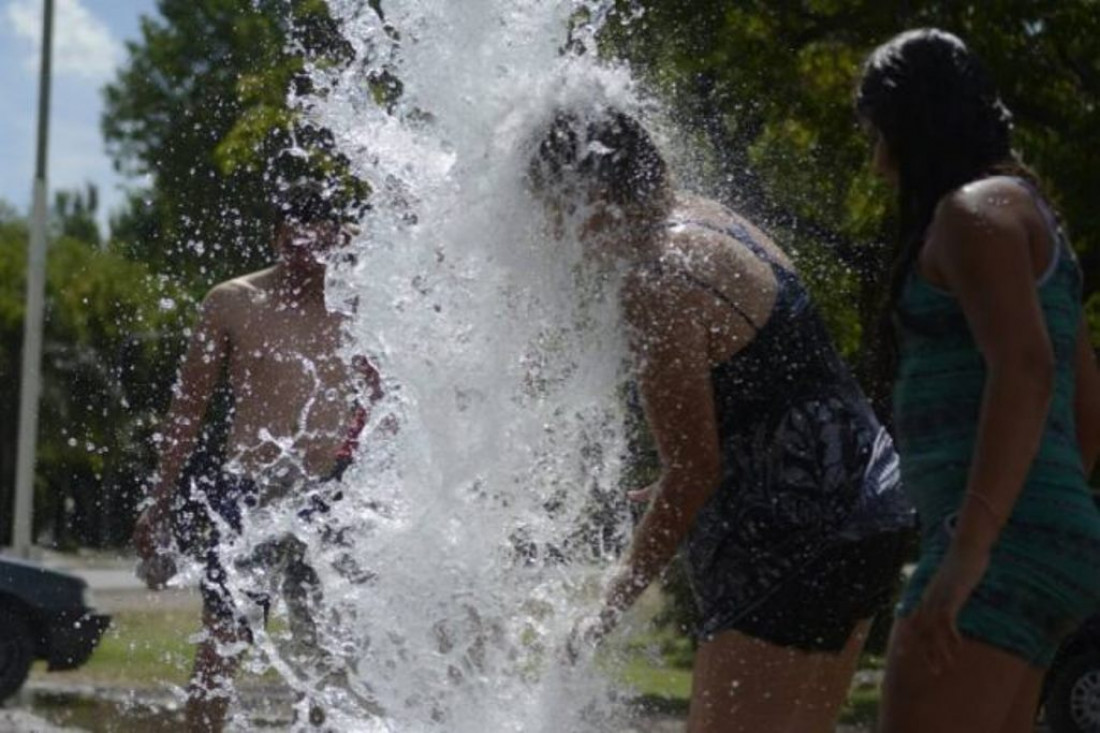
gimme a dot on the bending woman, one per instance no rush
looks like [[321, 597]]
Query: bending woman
[[997, 399], [776, 478]]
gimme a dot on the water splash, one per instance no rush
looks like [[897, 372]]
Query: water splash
[[466, 547]]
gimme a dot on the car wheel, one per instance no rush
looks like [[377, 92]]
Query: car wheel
[[1073, 704], [16, 650]]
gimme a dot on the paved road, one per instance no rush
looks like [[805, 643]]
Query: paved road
[[115, 586], [18, 721]]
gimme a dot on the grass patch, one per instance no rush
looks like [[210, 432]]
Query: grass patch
[[145, 649], [664, 689], [656, 666], [152, 649], [861, 707], [140, 649]]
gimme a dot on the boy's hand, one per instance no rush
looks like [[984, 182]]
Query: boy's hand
[[152, 531], [153, 540]]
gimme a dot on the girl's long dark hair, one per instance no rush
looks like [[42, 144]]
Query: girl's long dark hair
[[944, 125]]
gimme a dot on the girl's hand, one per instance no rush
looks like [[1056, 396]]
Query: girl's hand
[[643, 496], [934, 622]]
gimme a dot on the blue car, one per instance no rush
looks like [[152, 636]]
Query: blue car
[[44, 614]]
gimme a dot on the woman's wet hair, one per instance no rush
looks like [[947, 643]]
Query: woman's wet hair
[[944, 125], [609, 151]]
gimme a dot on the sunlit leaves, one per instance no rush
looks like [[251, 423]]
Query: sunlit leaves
[[196, 107], [110, 345], [771, 84]]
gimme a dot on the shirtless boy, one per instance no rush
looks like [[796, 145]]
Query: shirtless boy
[[298, 407]]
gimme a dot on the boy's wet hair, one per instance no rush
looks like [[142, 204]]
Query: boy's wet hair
[[309, 180], [308, 202], [608, 150]]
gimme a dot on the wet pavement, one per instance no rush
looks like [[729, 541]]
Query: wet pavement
[[45, 708], [18, 721]]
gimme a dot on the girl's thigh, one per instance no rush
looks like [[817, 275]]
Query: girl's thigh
[[979, 692]]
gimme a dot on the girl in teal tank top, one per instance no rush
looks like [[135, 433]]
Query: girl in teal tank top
[[1044, 574], [993, 376]]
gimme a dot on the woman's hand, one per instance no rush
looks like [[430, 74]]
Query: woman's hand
[[589, 631], [934, 622]]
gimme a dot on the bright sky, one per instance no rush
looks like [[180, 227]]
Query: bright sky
[[88, 46]]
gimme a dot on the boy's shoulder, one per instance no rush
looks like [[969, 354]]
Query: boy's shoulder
[[238, 295], [246, 286]]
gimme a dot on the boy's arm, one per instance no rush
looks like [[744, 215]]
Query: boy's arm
[[202, 363], [371, 384]]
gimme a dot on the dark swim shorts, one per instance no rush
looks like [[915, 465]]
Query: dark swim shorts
[[228, 497], [817, 608], [281, 560]]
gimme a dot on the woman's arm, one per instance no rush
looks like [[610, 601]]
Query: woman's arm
[[679, 405], [1087, 401]]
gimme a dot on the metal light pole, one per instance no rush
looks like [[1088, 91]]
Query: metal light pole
[[31, 385]]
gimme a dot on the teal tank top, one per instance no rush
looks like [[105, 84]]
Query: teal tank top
[[940, 381]]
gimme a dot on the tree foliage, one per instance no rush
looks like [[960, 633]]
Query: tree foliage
[[214, 90], [74, 215], [768, 86], [200, 109], [109, 350]]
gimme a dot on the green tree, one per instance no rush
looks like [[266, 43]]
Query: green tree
[[74, 214], [112, 337], [201, 108], [767, 88]]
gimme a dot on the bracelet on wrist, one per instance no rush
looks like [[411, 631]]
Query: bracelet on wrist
[[986, 504]]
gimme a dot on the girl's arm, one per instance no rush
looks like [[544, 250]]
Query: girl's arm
[[1087, 401], [981, 250]]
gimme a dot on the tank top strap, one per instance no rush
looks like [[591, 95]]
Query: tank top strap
[[740, 233], [659, 269]]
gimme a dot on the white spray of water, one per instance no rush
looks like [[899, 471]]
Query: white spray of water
[[459, 559]]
